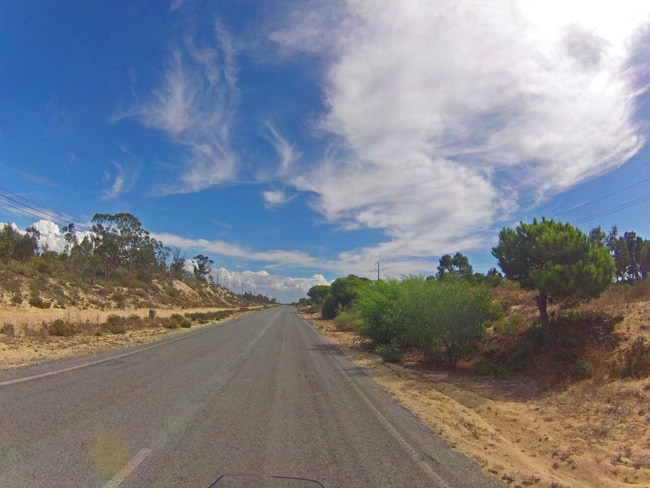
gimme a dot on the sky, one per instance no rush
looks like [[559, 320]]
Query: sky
[[294, 142]]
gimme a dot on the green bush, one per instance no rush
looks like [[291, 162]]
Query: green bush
[[483, 366], [510, 324], [443, 318], [186, 324], [115, 324], [389, 353], [378, 305], [330, 307], [348, 320], [582, 369]]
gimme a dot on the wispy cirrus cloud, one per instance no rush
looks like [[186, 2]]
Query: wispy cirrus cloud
[[194, 106], [448, 116], [287, 153], [275, 198], [118, 180]]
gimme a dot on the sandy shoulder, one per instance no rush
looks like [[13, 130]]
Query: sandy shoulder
[[587, 436]]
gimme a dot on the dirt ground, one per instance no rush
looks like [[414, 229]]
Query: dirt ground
[[27, 347], [594, 433]]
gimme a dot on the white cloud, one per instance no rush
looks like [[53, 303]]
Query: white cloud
[[273, 258], [287, 153], [194, 106], [120, 180], [284, 289], [275, 198], [176, 4], [50, 237], [448, 114]]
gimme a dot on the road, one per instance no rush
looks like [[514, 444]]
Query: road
[[260, 394]]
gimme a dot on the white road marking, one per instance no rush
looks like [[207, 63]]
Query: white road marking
[[123, 473]]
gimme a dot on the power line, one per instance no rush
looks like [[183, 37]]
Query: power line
[[36, 210], [618, 208], [595, 200]]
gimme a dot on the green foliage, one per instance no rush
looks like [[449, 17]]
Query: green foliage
[[348, 320], [510, 324], [341, 293], [630, 252], [582, 369], [555, 259], [389, 353], [115, 324], [318, 293], [440, 317], [202, 268], [379, 305], [483, 366], [458, 267], [17, 246], [120, 242]]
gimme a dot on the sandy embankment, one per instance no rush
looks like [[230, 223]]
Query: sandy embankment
[[27, 347], [588, 435]]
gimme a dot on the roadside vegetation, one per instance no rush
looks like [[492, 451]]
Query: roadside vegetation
[[539, 370], [115, 267], [554, 303]]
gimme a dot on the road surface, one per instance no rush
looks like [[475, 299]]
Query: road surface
[[261, 394]]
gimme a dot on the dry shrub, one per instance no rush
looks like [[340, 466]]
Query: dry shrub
[[9, 330], [634, 360], [61, 328]]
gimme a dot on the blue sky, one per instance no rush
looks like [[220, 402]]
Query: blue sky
[[298, 141]]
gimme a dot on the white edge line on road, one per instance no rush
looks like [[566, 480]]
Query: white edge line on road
[[123, 473], [105, 360]]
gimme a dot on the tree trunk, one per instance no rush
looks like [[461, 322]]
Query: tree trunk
[[542, 301]]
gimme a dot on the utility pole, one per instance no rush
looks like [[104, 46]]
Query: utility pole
[[378, 268]]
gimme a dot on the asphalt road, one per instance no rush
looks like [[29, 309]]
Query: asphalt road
[[261, 394]]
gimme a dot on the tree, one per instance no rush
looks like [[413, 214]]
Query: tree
[[556, 260], [342, 292], [120, 241], [317, 293], [18, 246], [177, 266], [630, 253], [458, 266], [445, 266], [202, 267]]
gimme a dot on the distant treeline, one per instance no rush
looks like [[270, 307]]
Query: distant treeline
[[117, 249]]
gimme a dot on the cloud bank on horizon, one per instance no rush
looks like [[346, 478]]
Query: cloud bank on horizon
[[372, 130]]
